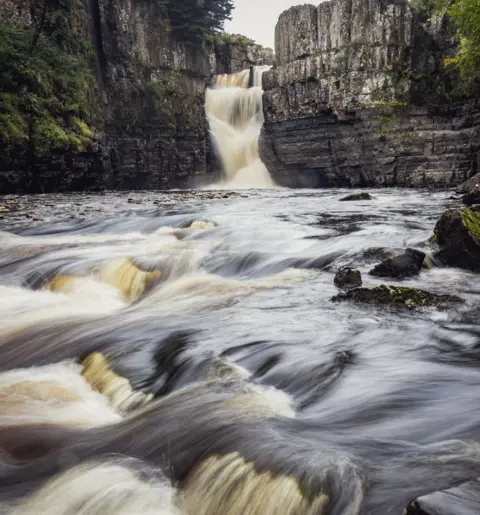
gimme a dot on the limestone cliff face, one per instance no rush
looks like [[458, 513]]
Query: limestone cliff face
[[360, 97], [233, 58]]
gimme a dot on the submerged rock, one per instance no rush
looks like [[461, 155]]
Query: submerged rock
[[397, 297], [348, 278], [357, 196], [464, 499], [458, 237], [405, 265]]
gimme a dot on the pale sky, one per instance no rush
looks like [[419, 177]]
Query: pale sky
[[257, 18]]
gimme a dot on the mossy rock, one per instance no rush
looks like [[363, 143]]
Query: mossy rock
[[458, 237], [398, 297]]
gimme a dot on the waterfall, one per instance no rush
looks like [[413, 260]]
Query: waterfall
[[235, 115]]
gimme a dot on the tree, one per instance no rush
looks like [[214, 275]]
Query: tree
[[466, 15], [195, 20]]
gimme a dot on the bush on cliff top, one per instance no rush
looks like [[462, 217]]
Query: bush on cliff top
[[230, 39]]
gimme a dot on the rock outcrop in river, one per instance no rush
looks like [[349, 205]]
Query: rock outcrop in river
[[457, 233], [360, 97]]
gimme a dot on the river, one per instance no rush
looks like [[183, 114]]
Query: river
[[370, 407]]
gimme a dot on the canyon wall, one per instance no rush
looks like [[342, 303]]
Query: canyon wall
[[150, 128], [360, 97], [233, 58], [147, 99]]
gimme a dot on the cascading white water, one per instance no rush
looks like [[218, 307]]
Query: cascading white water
[[235, 116]]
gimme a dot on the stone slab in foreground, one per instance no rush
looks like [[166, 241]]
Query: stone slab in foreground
[[460, 500]]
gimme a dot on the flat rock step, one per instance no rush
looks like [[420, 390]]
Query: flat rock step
[[459, 500]]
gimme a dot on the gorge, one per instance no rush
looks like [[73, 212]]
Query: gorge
[[358, 96], [198, 316]]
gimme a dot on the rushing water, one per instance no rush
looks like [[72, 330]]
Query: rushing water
[[235, 116], [346, 409]]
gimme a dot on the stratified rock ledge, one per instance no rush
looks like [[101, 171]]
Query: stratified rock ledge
[[397, 297]]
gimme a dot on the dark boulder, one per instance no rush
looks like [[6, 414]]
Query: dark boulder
[[458, 237], [405, 265], [348, 278], [397, 297], [463, 499], [357, 196], [469, 184], [470, 190]]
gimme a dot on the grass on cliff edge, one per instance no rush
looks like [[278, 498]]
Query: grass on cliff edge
[[44, 93]]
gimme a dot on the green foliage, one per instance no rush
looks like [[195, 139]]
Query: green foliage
[[45, 89], [425, 8], [195, 20], [472, 222], [466, 14], [230, 39], [390, 107], [390, 112], [165, 84]]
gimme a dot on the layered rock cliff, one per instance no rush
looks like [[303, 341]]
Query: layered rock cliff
[[148, 95], [360, 97], [147, 99], [233, 58]]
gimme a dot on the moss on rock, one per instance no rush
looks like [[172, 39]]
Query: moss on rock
[[398, 297], [458, 236], [471, 220]]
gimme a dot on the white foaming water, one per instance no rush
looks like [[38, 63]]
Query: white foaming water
[[208, 291], [54, 394], [101, 489], [21, 307], [235, 116]]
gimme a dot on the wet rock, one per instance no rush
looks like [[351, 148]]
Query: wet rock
[[471, 190], [458, 237], [348, 278], [405, 265], [397, 297], [469, 184], [4, 209], [463, 499], [357, 196]]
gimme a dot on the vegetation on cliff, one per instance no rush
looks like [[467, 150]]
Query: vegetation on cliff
[[224, 38], [196, 20], [45, 84], [466, 15]]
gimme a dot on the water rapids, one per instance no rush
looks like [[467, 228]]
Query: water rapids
[[178, 353]]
